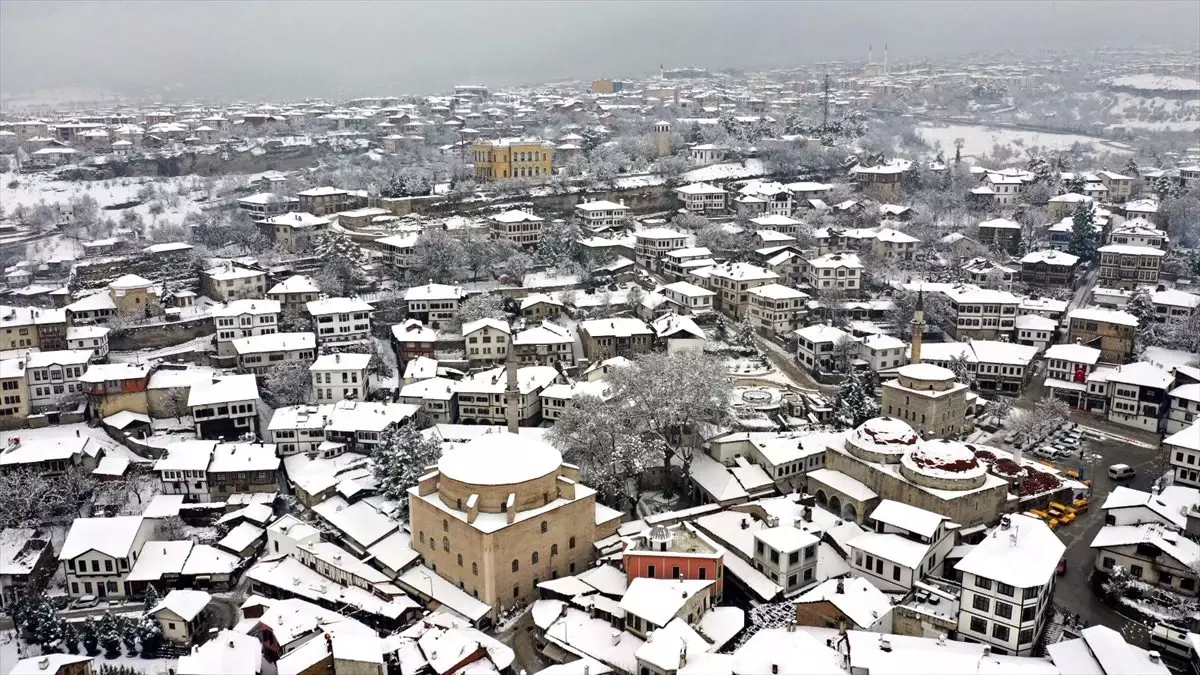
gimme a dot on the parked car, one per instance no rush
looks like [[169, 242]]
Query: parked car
[[86, 601], [1120, 471]]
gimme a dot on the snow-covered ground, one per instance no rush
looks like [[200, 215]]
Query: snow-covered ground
[[11, 652], [1152, 82], [979, 139]]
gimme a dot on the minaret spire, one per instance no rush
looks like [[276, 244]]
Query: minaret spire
[[918, 327]]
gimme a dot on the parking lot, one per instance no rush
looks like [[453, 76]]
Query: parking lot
[[1074, 591]]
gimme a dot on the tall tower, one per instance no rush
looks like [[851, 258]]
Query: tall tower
[[885, 59], [662, 138], [512, 392], [918, 327]]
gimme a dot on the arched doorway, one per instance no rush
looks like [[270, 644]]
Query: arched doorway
[[850, 513], [835, 505], [822, 500]]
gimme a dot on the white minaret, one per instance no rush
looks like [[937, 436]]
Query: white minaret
[[512, 393], [662, 138]]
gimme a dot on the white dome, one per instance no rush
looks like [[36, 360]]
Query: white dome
[[886, 435], [925, 371], [500, 458]]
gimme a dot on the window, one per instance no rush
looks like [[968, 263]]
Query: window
[[553, 550], [650, 571], [1028, 614], [895, 572], [460, 560], [981, 603], [984, 583], [545, 527], [702, 573], [1135, 571], [1108, 562], [1005, 589], [1000, 632], [516, 591], [1003, 609], [475, 569], [978, 625], [534, 558], [516, 565], [571, 542], [1031, 592], [1025, 636], [445, 525], [675, 574]]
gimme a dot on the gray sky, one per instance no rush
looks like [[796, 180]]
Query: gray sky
[[284, 48]]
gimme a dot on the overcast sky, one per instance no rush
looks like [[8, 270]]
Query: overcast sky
[[282, 48]]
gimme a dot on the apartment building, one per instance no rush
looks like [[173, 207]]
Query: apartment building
[[230, 282], [14, 394], [816, 347], [1008, 585], [840, 271], [758, 198], [340, 377], [434, 305], [906, 545], [702, 199], [53, 378], [688, 298], [1111, 330], [263, 205], [519, 228], [99, 553], [1120, 187], [183, 469], [486, 340], [1138, 232], [652, 244], [295, 232], [1184, 407], [242, 468], [1067, 368], [241, 319], [678, 263], [1172, 305], [1183, 452], [884, 181], [257, 354], [732, 283], [294, 293], [326, 201], [776, 309], [226, 407], [340, 320], [981, 314], [598, 215], [606, 338], [1001, 234], [545, 345], [504, 158], [92, 338], [1137, 395], [1129, 265], [1049, 268]]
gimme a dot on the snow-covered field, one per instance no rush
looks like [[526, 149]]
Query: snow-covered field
[[979, 139], [1152, 82], [9, 656]]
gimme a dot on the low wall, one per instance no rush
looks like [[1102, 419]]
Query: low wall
[[159, 335]]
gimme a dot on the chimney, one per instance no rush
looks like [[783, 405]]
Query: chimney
[[616, 637], [806, 514], [1154, 656], [774, 669], [841, 588]]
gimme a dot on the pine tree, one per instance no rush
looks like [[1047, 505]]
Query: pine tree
[[108, 633], [128, 627], [152, 598], [400, 459], [70, 637], [89, 636], [341, 264], [1083, 235], [694, 137], [149, 633], [745, 332], [854, 404], [1131, 168]]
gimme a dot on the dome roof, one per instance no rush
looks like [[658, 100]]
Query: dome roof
[[499, 459], [944, 458], [925, 371], [886, 435]]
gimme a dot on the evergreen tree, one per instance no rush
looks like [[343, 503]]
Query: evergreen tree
[[89, 636], [108, 634], [1083, 242], [694, 137], [437, 257], [1131, 168], [1141, 305], [150, 635], [152, 598], [48, 627], [559, 246], [400, 459], [854, 404], [70, 637], [128, 627], [745, 333], [341, 264]]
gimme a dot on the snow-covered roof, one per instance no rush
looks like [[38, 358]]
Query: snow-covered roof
[[500, 459], [275, 342], [1023, 555], [1104, 315], [432, 291], [227, 389], [238, 457], [615, 327], [1142, 374], [185, 603], [297, 283], [486, 322], [254, 307], [1073, 353], [911, 518], [337, 306], [114, 537], [658, 600], [297, 220], [345, 361], [855, 597]]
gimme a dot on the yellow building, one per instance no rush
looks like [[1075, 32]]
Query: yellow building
[[512, 158], [133, 294], [501, 514]]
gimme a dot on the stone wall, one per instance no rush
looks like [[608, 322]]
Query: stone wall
[[159, 335]]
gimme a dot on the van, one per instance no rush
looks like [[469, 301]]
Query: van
[[1120, 471]]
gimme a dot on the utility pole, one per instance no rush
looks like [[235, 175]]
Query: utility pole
[[825, 112]]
